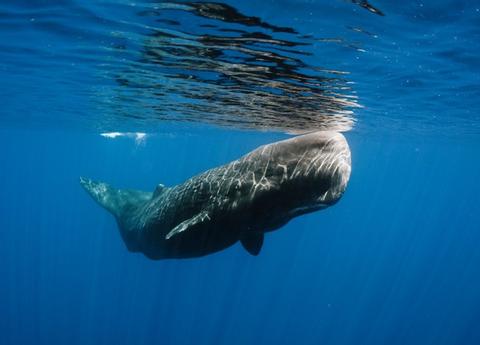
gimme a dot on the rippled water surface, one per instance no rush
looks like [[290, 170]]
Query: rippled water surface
[[272, 65]]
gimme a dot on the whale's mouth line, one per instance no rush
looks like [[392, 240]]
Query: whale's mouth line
[[307, 209]]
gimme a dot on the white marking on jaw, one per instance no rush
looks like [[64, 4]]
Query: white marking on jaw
[[323, 196]]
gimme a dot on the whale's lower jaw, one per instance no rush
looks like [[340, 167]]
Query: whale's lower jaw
[[307, 209]]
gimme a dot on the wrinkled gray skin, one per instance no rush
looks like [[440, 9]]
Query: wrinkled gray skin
[[239, 201]]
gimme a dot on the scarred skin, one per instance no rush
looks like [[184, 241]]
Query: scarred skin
[[238, 201]]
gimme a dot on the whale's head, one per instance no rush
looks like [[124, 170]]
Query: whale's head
[[308, 173], [322, 167]]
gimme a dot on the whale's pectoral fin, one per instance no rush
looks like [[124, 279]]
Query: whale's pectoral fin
[[189, 223], [253, 242]]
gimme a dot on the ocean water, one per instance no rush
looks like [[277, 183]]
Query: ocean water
[[141, 93]]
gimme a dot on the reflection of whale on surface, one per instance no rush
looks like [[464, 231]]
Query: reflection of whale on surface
[[210, 62], [239, 201]]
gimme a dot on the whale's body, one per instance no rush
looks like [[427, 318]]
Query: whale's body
[[239, 201]]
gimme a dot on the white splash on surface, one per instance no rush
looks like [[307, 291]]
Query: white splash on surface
[[139, 137]]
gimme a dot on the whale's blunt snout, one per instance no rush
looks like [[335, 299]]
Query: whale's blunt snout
[[330, 163], [338, 164]]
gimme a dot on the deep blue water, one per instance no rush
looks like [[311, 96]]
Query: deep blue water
[[396, 261]]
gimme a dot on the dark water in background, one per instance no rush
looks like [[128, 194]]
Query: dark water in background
[[395, 261]]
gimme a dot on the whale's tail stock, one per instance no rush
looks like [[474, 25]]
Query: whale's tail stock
[[122, 203], [116, 201]]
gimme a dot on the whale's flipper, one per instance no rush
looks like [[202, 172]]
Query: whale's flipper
[[117, 201], [189, 224], [253, 243]]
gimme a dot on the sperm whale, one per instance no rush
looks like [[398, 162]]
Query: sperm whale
[[239, 201]]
